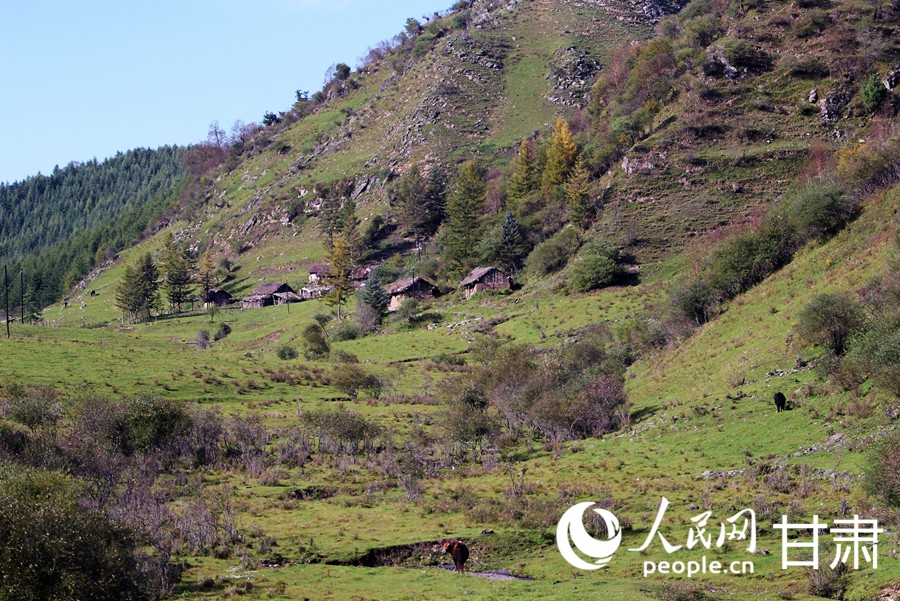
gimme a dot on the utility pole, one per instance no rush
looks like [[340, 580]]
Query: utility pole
[[6, 297], [22, 295]]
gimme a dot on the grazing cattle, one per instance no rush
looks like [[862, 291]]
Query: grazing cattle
[[780, 402], [458, 551]]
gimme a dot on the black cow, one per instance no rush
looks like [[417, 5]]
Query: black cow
[[458, 551], [780, 402]]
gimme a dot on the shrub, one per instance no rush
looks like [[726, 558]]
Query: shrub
[[806, 67], [350, 378], [54, 547], [883, 470], [817, 210], [36, 408], [827, 582], [594, 271], [876, 354], [201, 339], [345, 330], [553, 254], [131, 424], [223, 331], [314, 341], [408, 312], [694, 301], [830, 320], [743, 261], [286, 352], [873, 93]]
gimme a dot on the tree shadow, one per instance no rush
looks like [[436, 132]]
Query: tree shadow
[[644, 413]]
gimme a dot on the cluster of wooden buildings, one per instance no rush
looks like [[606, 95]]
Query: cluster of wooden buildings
[[479, 279]]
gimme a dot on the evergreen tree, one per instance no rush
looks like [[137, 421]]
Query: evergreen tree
[[578, 196], [206, 277], [339, 269], [147, 286], [465, 207], [513, 245], [561, 155], [126, 293], [419, 204], [331, 216], [525, 177], [177, 271], [31, 299], [351, 231], [375, 296]]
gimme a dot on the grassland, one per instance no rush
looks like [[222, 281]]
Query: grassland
[[701, 410]]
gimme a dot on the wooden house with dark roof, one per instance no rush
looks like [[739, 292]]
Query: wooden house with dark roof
[[272, 293], [216, 297], [484, 278], [417, 288]]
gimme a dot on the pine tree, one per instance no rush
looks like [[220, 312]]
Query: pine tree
[[375, 296], [561, 155], [330, 216], [351, 231], [206, 277], [177, 273], [339, 269], [525, 177], [578, 196], [420, 204], [513, 244], [465, 207], [147, 286], [126, 293]]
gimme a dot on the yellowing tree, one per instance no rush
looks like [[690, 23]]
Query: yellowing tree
[[578, 196], [340, 269], [561, 156]]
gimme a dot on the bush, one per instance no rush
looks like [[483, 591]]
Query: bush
[[876, 354], [315, 343], [553, 254], [132, 424], [830, 320], [286, 352], [594, 271], [882, 471], [817, 210], [873, 93], [408, 312], [345, 330], [36, 408], [54, 547], [201, 339], [694, 301], [739, 263], [806, 67], [351, 378], [223, 331]]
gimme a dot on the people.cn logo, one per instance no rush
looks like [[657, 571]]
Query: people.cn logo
[[571, 525]]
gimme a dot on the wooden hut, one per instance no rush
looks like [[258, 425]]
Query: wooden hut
[[273, 293], [317, 273], [418, 288], [484, 278], [216, 297]]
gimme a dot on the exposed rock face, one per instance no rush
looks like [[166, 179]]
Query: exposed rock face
[[833, 105], [892, 79]]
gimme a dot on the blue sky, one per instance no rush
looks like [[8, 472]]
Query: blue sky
[[87, 79]]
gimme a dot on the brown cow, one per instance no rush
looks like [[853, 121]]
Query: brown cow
[[459, 551]]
